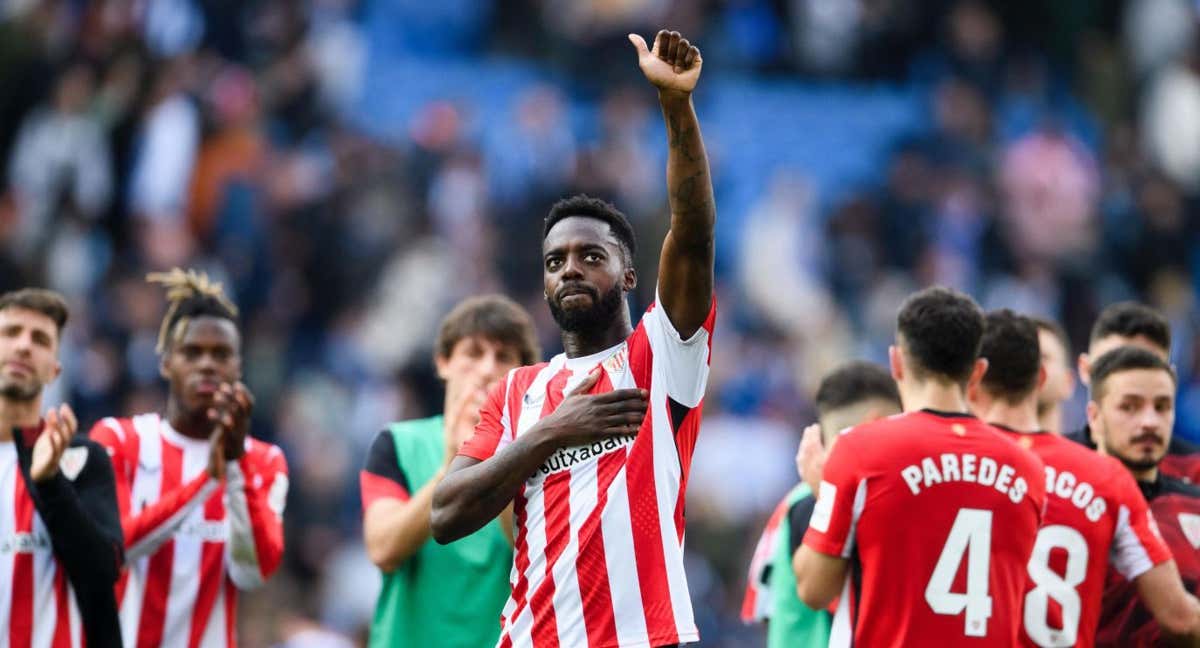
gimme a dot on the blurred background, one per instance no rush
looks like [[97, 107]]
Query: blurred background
[[350, 169]]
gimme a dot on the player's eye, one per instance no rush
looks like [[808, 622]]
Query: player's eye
[[592, 257], [553, 263]]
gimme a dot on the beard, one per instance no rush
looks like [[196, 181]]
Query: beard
[[1137, 464], [597, 317], [16, 391], [1137, 461]]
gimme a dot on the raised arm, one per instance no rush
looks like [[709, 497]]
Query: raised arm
[[685, 279]]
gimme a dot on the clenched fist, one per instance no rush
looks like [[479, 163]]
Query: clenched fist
[[672, 65]]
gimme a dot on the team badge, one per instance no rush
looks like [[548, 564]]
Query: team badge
[[1190, 522], [1025, 442], [959, 429], [617, 362], [73, 461]]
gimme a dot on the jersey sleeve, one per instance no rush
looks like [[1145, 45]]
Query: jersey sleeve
[[382, 477], [147, 529], [492, 432], [256, 488], [839, 501], [681, 364], [1137, 545], [798, 520]]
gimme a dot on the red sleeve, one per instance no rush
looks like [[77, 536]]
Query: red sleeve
[[148, 528], [492, 425], [381, 476], [1137, 545], [833, 520], [256, 488]]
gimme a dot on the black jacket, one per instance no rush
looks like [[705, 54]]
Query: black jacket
[[84, 524]]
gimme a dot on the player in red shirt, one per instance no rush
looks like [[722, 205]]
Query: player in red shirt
[[1131, 413], [927, 519], [1095, 515], [201, 502], [593, 448], [1134, 324]]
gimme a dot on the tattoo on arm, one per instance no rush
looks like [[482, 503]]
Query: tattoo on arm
[[680, 137]]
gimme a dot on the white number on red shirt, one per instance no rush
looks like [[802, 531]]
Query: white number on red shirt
[[1049, 585], [971, 535]]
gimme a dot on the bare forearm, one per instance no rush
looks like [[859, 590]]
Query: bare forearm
[[689, 184], [394, 530], [471, 495], [1176, 610]]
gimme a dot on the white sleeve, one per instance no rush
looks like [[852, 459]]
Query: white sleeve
[[681, 364], [241, 553]]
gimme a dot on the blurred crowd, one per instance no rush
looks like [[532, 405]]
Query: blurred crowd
[[351, 168]]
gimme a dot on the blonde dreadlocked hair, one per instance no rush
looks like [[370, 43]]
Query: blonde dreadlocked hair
[[190, 293]]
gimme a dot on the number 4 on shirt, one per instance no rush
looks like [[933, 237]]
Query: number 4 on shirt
[[971, 535]]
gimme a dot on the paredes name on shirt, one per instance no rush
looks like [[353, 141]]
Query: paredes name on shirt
[[966, 467]]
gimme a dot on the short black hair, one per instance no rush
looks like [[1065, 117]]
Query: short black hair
[[1054, 328], [601, 210], [1125, 358], [941, 329], [1010, 344], [1131, 319], [853, 383]]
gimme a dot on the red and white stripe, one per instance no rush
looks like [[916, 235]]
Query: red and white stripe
[[191, 541], [599, 546], [37, 605], [756, 603]]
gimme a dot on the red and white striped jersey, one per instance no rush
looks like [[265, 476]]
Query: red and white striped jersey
[[190, 542], [599, 546], [33, 585], [756, 603]]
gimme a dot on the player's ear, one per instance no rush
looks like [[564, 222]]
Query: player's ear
[[1084, 366], [896, 363], [442, 365], [629, 279], [977, 372], [1041, 379], [162, 365], [1093, 415], [973, 397]]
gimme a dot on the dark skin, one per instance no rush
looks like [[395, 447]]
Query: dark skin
[[582, 261], [207, 399]]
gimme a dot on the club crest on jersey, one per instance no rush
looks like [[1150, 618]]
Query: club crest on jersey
[[617, 362], [1190, 522], [72, 462]]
